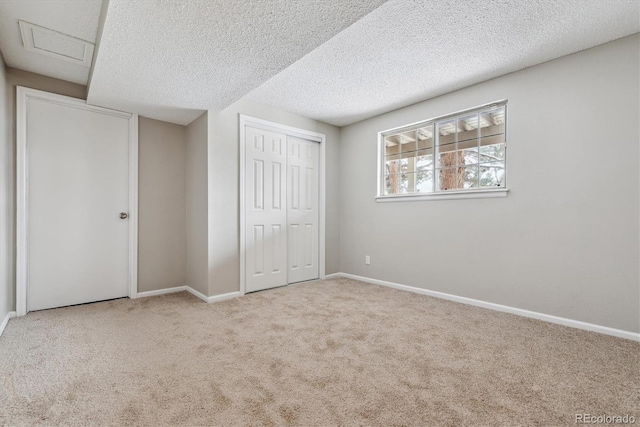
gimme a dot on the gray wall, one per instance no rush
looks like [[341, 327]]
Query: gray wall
[[162, 255], [224, 261], [196, 203], [7, 197], [565, 240], [49, 84]]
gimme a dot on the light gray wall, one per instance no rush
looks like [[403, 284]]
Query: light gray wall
[[196, 203], [162, 229], [224, 152], [565, 241], [7, 198], [49, 84]]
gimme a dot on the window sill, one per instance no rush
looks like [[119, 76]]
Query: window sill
[[449, 195]]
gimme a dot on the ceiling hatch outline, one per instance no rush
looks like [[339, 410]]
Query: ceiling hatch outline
[[55, 44]]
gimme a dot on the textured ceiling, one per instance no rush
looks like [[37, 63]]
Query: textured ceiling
[[335, 61], [75, 18], [171, 59], [406, 51]]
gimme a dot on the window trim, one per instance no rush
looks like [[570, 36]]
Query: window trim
[[437, 195], [445, 195]]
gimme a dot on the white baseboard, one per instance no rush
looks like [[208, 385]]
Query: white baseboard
[[498, 307], [203, 297], [223, 297], [6, 321], [198, 294], [215, 298], [161, 292], [334, 276]]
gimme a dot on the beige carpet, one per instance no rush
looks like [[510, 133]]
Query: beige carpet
[[337, 352]]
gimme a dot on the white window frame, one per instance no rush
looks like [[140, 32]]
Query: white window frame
[[438, 195]]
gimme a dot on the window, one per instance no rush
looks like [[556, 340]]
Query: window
[[458, 153]]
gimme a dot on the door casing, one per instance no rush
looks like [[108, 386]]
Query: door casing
[[289, 131], [23, 96]]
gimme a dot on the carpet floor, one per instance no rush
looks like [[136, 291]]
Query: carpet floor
[[335, 352]]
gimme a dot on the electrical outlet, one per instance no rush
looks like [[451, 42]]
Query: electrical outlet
[[367, 259]]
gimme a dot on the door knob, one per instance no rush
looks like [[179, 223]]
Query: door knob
[[123, 215]]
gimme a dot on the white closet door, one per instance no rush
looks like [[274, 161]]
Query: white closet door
[[302, 209], [265, 198], [78, 180]]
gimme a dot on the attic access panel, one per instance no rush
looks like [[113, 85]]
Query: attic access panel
[[55, 44]]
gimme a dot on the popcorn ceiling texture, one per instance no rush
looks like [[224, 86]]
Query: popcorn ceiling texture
[[409, 50], [171, 59], [75, 18], [338, 62]]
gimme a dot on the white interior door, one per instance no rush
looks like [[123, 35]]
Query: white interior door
[[265, 198], [302, 209], [78, 185]]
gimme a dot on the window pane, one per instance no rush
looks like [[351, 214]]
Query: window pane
[[424, 160], [447, 154], [407, 165], [392, 184], [425, 137], [449, 179], [408, 143], [468, 138], [468, 122], [470, 156], [446, 129], [492, 121], [492, 153], [468, 143], [392, 166], [492, 174], [468, 130], [469, 177], [449, 157], [424, 181], [407, 183], [392, 140], [492, 148], [492, 140], [391, 145]]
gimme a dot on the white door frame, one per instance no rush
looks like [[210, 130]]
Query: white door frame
[[23, 95], [289, 131]]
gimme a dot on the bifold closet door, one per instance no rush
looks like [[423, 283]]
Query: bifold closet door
[[266, 215], [302, 209]]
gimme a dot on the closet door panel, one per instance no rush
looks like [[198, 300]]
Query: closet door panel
[[266, 187], [302, 209]]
